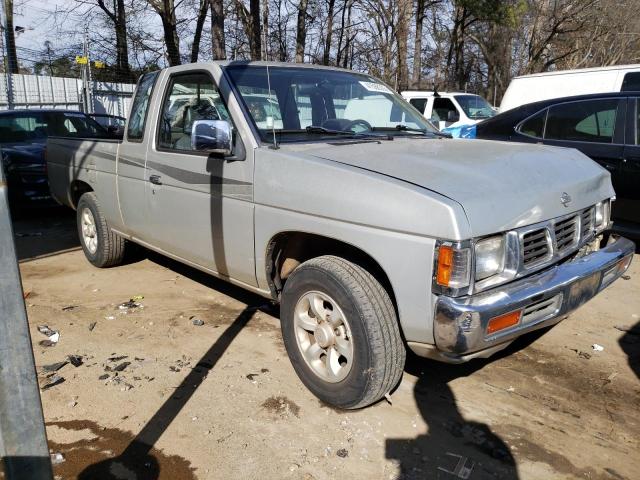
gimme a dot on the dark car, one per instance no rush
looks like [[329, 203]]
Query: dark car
[[23, 140], [605, 127]]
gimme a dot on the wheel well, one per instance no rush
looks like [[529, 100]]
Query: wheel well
[[77, 189], [287, 250]]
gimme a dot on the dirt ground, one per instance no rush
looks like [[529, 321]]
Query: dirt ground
[[159, 397]]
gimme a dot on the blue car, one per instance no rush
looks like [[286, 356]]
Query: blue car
[[23, 140]]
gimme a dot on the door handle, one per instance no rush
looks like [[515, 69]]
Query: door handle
[[155, 179]]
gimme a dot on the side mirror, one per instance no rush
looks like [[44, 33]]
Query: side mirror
[[213, 136], [453, 116]]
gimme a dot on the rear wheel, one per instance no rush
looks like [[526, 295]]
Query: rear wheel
[[101, 246], [341, 332]]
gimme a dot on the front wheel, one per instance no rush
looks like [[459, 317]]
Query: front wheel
[[341, 332]]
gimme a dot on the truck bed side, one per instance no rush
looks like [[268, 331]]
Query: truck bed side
[[79, 165]]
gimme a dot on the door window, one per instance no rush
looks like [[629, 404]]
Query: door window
[[631, 82], [586, 121], [419, 103], [441, 109], [23, 127], [138, 117], [189, 98], [637, 121]]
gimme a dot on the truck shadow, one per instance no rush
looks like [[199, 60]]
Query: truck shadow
[[630, 344], [137, 459], [45, 232], [453, 447]]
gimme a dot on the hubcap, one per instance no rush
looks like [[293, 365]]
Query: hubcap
[[323, 336], [89, 234]]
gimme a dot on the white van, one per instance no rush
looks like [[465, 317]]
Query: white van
[[568, 83], [450, 109]]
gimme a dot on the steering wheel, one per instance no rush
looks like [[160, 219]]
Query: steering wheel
[[359, 122]]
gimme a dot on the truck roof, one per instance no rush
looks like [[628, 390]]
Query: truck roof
[[261, 63], [414, 93]]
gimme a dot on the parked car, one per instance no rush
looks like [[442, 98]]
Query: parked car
[[604, 127], [23, 137], [112, 123], [372, 231], [585, 81], [448, 110]]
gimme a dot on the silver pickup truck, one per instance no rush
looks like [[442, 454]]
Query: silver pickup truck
[[325, 191]]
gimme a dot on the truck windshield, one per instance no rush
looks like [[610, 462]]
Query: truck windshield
[[302, 104], [475, 106]]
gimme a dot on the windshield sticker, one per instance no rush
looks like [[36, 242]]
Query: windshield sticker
[[375, 87]]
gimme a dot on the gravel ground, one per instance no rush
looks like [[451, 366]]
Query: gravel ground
[[159, 395]]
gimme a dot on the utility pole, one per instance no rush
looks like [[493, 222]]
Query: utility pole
[[86, 74], [23, 440], [7, 73]]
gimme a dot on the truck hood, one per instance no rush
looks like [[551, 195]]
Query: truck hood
[[499, 185]]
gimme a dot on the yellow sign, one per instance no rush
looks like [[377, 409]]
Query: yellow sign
[[98, 64], [81, 60]]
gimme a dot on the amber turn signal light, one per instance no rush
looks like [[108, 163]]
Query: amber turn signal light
[[503, 321], [445, 263]]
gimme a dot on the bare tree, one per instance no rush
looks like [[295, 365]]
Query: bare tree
[[166, 10], [118, 17], [218, 43], [250, 19], [203, 8], [301, 30]]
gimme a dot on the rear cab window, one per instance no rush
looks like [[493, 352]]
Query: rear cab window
[[441, 109], [138, 117], [631, 82], [419, 103]]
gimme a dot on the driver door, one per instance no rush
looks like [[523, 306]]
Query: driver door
[[199, 205]]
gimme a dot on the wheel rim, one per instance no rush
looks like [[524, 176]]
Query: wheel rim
[[323, 336], [89, 233]]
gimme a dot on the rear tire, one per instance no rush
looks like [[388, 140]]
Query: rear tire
[[101, 246], [354, 355]]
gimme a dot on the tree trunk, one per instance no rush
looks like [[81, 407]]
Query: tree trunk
[[301, 31], [265, 29], [217, 30], [417, 52], [402, 35], [255, 41], [202, 16], [341, 36], [10, 40], [167, 13], [327, 44], [119, 19]]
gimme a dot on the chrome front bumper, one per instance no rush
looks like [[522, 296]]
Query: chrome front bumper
[[545, 298]]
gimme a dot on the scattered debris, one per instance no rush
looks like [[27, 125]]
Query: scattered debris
[[103, 377], [597, 348], [110, 317], [92, 325], [54, 336], [121, 367], [387, 397], [197, 322], [56, 458], [76, 360], [463, 467], [252, 376], [53, 380], [69, 307], [131, 304], [633, 330], [342, 453], [54, 367], [626, 277], [117, 359], [264, 370], [584, 355], [25, 295]]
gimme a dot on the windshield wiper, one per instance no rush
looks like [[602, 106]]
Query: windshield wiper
[[403, 128], [347, 133]]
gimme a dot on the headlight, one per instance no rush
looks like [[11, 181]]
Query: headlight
[[453, 266], [489, 257], [603, 215]]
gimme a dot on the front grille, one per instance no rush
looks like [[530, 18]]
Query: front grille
[[535, 246], [565, 231], [586, 222]]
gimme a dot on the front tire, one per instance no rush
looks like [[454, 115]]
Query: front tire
[[101, 246], [341, 332]]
